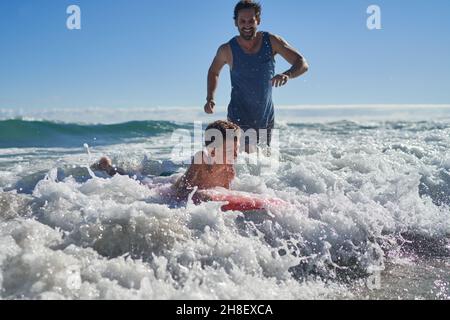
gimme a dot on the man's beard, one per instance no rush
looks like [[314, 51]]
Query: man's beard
[[247, 36]]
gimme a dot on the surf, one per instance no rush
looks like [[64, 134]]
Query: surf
[[19, 133], [365, 199]]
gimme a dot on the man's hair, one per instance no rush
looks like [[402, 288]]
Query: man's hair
[[223, 127], [247, 4]]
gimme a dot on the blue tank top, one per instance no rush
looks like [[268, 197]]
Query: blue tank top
[[251, 103]]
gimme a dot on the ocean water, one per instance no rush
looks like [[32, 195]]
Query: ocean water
[[368, 189]]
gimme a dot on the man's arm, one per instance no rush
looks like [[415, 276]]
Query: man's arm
[[219, 61], [291, 55]]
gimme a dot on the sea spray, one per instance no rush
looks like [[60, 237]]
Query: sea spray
[[364, 198]]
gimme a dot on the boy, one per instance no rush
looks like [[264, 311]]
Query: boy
[[213, 167], [105, 164]]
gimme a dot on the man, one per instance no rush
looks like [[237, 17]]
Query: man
[[250, 57]]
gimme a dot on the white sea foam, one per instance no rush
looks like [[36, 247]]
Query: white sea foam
[[362, 198]]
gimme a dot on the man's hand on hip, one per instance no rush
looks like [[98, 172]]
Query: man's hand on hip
[[280, 80], [209, 106]]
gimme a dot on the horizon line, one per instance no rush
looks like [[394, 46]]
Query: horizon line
[[200, 108]]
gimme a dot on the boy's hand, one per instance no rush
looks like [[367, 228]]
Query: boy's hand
[[280, 80], [209, 106]]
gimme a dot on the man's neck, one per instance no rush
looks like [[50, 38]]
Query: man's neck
[[250, 43]]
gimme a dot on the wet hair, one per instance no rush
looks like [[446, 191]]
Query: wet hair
[[247, 4], [223, 127]]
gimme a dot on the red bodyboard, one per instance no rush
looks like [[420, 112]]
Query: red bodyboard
[[238, 201]]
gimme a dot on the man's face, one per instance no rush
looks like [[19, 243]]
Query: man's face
[[247, 23]]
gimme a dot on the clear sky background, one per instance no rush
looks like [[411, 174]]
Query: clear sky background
[[144, 53]]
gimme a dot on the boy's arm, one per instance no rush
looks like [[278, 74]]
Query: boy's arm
[[187, 182]]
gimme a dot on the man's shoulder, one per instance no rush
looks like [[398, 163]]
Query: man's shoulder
[[274, 37], [224, 46], [276, 41], [224, 51]]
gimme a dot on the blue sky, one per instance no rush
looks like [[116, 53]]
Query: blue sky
[[144, 53]]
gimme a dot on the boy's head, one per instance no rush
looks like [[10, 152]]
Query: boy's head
[[103, 164], [222, 138]]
